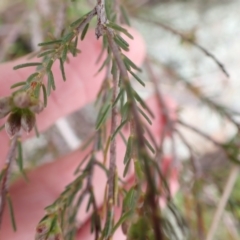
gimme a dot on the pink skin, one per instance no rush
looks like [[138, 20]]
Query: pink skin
[[49, 180]]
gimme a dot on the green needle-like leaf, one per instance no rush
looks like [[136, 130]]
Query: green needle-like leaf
[[121, 44], [125, 15], [43, 54], [37, 90], [103, 117], [44, 95], [20, 160], [119, 28], [32, 77], [130, 199], [10, 206], [62, 69], [19, 84], [78, 21], [75, 46], [142, 103], [145, 115], [64, 53], [49, 65], [109, 224], [149, 146], [125, 216], [127, 61], [128, 154], [137, 78], [50, 43], [51, 80], [84, 32], [126, 168], [68, 37], [32, 64], [118, 97], [119, 128]]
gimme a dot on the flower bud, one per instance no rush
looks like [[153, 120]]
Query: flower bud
[[13, 124], [28, 121], [49, 229], [38, 107], [22, 99], [5, 106]]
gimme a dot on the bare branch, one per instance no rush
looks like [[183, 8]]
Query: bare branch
[[223, 201], [189, 40], [140, 137], [198, 131]]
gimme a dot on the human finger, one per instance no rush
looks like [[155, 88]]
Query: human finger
[[80, 88]]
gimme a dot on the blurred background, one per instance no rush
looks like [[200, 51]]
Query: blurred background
[[213, 24]]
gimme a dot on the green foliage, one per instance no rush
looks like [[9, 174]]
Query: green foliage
[[142, 216], [10, 206]]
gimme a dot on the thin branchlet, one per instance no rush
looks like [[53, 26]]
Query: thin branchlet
[[140, 138], [169, 122], [189, 40], [198, 207], [6, 174]]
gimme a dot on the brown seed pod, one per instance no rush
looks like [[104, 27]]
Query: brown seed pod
[[22, 100], [5, 106], [13, 124], [28, 121]]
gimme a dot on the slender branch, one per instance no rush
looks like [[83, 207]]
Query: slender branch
[[164, 108], [169, 125], [6, 174], [86, 20], [113, 150], [200, 133], [113, 155], [101, 18], [150, 196], [223, 201], [189, 40], [198, 207], [215, 106]]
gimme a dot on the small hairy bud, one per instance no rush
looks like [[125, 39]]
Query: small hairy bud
[[38, 107], [5, 106], [13, 124], [28, 121], [41, 231], [49, 229], [22, 100]]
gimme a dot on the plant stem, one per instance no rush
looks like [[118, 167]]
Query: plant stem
[[101, 18], [6, 174], [223, 201], [150, 196], [198, 131], [113, 153], [189, 40], [169, 125]]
